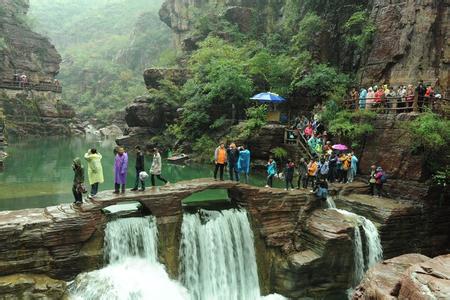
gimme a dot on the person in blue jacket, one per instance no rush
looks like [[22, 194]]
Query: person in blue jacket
[[362, 98], [271, 171], [244, 162]]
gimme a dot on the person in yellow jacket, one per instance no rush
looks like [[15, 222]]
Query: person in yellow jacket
[[95, 170], [312, 172]]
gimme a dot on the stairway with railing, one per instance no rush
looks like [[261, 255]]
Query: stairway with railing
[[294, 137], [41, 86]]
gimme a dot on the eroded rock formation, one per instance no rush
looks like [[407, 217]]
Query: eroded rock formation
[[303, 251], [410, 276], [25, 51]]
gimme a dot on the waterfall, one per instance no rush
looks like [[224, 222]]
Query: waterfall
[[133, 272], [358, 257], [373, 243], [374, 251], [330, 202], [131, 237], [217, 257]]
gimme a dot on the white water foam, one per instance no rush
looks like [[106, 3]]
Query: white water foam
[[218, 259], [374, 251], [330, 202], [133, 272]]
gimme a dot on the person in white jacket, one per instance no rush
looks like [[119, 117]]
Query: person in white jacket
[[155, 169]]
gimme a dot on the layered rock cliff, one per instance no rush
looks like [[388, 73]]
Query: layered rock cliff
[[36, 108], [302, 250], [411, 39], [23, 51]]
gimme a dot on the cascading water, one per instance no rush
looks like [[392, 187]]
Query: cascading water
[[133, 272], [330, 202], [218, 258], [374, 251]]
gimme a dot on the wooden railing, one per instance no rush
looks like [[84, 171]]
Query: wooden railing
[[396, 105], [294, 137], [41, 86]]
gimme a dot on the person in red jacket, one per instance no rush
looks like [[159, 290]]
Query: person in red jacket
[[379, 180]]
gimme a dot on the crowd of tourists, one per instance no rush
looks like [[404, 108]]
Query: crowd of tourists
[[399, 97], [95, 172], [331, 166]]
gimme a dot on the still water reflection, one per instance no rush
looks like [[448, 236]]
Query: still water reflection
[[38, 171]]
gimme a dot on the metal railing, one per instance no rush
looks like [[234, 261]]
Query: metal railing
[[396, 105], [41, 86]]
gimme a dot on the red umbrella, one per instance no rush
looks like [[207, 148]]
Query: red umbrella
[[340, 147]]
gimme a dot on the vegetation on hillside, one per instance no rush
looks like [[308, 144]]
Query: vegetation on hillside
[[105, 45]]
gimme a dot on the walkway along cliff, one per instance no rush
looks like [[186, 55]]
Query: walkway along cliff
[[301, 249], [34, 107]]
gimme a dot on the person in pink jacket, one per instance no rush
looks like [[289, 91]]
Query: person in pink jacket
[[370, 98]]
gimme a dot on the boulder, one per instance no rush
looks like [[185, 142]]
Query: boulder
[[150, 112], [410, 276], [111, 131], [427, 280], [382, 280], [243, 17], [31, 286], [152, 76]]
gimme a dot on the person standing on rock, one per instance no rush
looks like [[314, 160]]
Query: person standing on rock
[[139, 168], [289, 174], [220, 159], [380, 180], [353, 167], [233, 159], [303, 174], [312, 172], [156, 168], [271, 171], [372, 180], [95, 170], [120, 171], [78, 181], [244, 162]]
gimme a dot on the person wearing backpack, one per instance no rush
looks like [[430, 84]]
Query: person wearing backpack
[[380, 178], [323, 168]]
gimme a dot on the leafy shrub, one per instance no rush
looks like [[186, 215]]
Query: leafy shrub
[[279, 153], [351, 126], [203, 149], [359, 30], [256, 118]]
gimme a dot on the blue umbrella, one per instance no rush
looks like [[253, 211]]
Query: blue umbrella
[[268, 97]]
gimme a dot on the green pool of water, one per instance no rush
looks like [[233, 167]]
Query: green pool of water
[[38, 172]]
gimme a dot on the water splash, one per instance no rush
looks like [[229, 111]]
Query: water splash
[[218, 258], [374, 250], [330, 202], [133, 272], [131, 237]]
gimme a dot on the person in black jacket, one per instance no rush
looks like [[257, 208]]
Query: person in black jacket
[[139, 168], [233, 158]]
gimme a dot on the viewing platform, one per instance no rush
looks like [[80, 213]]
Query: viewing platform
[[41, 86]]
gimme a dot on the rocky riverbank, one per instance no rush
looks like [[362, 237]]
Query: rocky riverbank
[[302, 249]]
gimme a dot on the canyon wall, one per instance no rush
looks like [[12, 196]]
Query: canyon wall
[[36, 109], [411, 40], [23, 51]]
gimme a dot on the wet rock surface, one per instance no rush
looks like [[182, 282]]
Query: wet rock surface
[[303, 250], [410, 276]]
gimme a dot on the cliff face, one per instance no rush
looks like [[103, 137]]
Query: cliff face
[[36, 109], [21, 49], [411, 40]]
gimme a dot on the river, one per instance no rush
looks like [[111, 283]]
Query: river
[[38, 171]]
